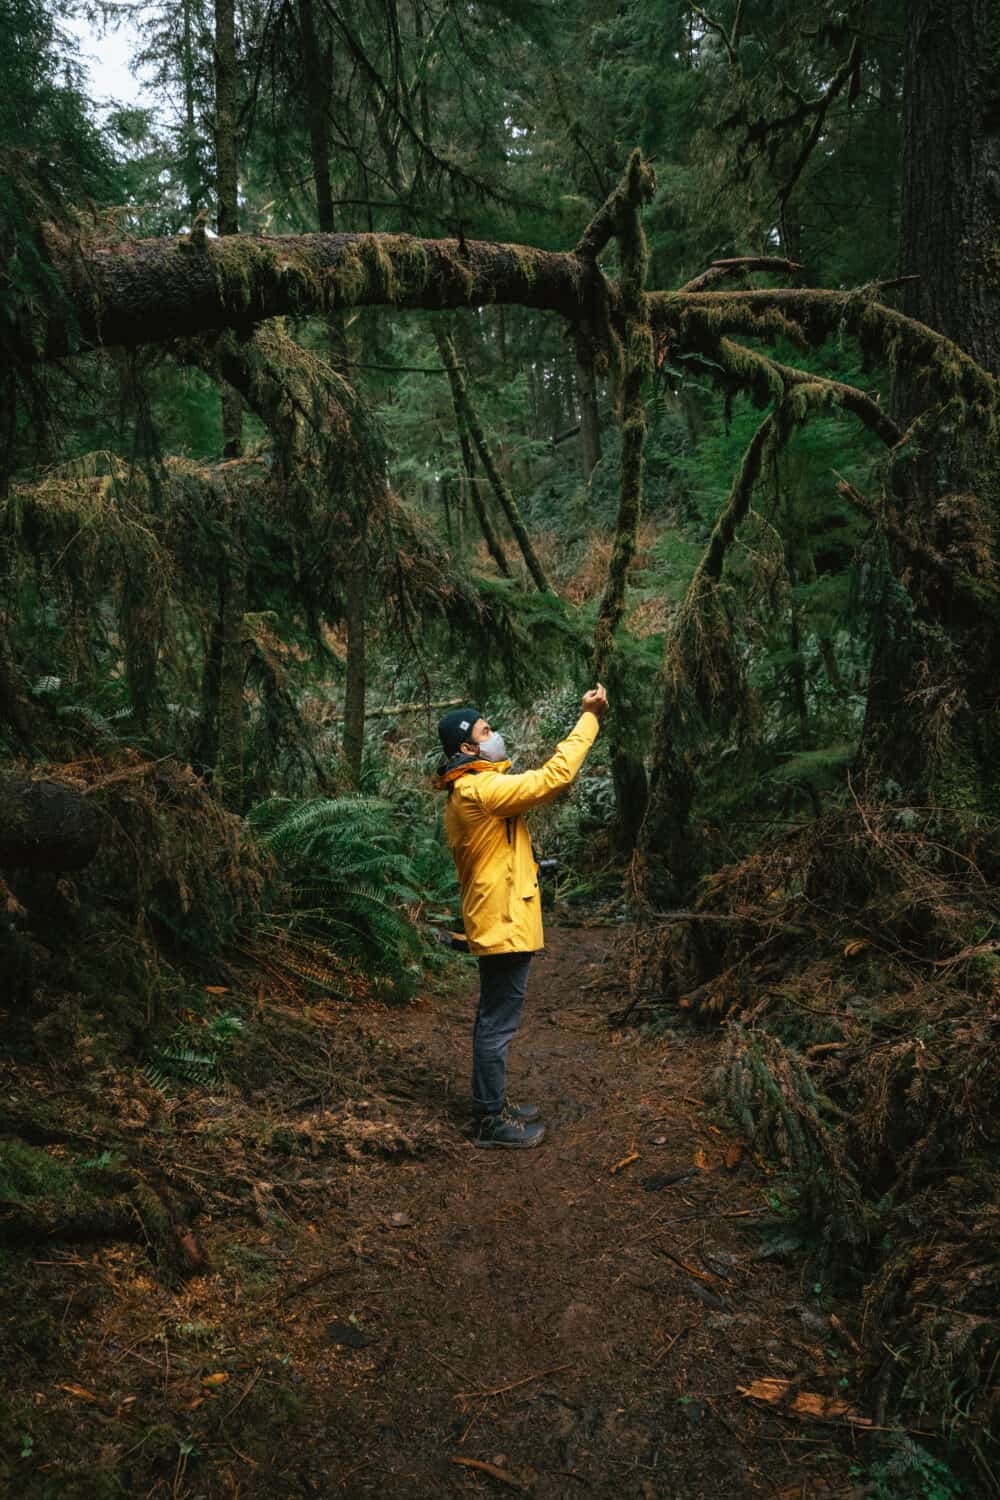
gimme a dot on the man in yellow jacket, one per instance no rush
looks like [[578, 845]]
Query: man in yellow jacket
[[501, 907]]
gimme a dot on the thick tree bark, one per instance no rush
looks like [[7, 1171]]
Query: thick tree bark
[[188, 286], [931, 725], [142, 292], [951, 172], [45, 825]]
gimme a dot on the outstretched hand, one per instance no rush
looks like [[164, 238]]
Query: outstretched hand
[[596, 701]]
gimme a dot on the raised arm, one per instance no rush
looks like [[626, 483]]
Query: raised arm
[[506, 796]]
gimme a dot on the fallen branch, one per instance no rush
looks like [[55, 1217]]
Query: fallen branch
[[722, 268], [391, 710]]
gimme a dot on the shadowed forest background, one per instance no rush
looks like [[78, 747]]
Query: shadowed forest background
[[409, 353]]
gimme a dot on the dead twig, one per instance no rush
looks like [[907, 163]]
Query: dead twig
[[511, 1386], [688, 1270], [306, 1286], [472, 1421], [503, 1475], [661, 1354], [243, 1395]]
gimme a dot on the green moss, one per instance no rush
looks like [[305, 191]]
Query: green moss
[[527, 263], [957, 782], [28, 1173], [410, 262]]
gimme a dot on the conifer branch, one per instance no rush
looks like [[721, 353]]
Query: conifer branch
[[467, 418]]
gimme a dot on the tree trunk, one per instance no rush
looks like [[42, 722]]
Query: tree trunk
[[627, 765], [192, 182], [227, 185], [317, 79], [232, 674], [139, 292], [931, 724], [469, 428], [494, 546], [590, 426], [951, 172], [356, 582]]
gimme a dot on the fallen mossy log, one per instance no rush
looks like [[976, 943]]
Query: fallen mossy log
[[47, 1197], [46, 825]]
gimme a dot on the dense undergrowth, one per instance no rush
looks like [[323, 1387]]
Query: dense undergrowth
[[853, 969]]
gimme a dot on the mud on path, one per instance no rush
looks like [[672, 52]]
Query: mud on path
[[391, 1312]]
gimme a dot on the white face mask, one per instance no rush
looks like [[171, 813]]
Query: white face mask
[[492, 748]]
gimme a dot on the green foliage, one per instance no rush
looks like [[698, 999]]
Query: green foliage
[[360, 875], [908, 1472], [27, 1173], [195, 1057]]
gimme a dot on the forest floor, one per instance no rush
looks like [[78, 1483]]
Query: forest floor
[[389, 1311]]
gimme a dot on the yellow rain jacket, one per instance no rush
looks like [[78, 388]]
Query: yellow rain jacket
[[485, 828]]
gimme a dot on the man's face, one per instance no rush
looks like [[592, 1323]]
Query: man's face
[[480, 731]]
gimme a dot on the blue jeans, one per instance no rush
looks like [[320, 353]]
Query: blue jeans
[[503, 984]]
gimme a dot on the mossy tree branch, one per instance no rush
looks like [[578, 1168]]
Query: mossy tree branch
[[633, 361], [737, 265], [636, 361], [700, 670], [154, 291]]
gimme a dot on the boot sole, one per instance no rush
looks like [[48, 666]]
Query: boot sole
[[511, 1145]]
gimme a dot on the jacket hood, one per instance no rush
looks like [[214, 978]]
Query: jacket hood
[[463, 764]]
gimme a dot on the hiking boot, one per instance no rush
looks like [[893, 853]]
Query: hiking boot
[[525, 1113], [505, 1129]]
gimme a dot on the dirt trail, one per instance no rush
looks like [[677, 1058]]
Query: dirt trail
[[553, 1274], [390, 1309]]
